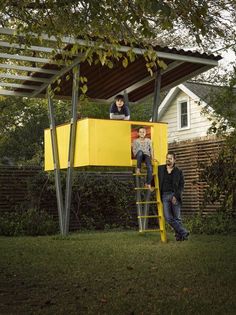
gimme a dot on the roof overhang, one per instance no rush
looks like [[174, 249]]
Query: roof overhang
[[29, 76]]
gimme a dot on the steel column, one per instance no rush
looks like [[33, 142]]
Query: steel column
[[157, 96], [73, 125], [56, 161]]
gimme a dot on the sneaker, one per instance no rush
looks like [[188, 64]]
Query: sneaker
[[148, 186], [182, 237], [185, 236]]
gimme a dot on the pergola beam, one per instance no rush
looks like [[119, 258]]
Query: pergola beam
[[14, 93], [23, 77], [122, 48], [59, 74], [19, 86], [27, 58], [27, 68], [31, 48]]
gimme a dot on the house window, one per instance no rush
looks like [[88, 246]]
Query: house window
[[183, 114]]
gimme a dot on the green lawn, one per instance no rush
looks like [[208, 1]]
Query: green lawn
[[117, 273]]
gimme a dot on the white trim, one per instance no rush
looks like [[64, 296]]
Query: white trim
[[27, 58], [19, 86], [32, 48], [75, 62], [167, 100], [27, 68], [22, 77], [180, 101], [187, 76], [172, 93], [191, 94], [13, 93], [121, 48]]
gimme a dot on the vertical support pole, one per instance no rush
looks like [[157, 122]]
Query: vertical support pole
[[126, 97], [71, 153], [157, 96], [56, 161], [146, 208]]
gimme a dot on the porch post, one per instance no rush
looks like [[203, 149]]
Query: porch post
[[56, 163], [157, 96], [71, 153]]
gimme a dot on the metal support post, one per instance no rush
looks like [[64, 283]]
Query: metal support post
[[157, 96], [71, 153], [56, 161], [146, 209], [126, 97], [139, 206]]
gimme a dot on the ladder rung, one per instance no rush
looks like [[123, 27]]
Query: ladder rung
[[154, 230], [148, 216], [142, 174], [145, 188], [146, 202]]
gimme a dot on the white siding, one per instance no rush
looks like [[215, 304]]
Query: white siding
[[199, 124]]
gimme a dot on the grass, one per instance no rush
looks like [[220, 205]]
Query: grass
[[117, 273]]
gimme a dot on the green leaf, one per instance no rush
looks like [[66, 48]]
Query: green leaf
[[84, 89], [125, 62]]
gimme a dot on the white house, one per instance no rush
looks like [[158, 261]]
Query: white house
[[182, 109]]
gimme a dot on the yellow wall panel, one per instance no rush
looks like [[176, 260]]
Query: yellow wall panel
[[103, 143]]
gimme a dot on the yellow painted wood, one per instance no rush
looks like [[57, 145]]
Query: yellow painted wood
[[160, 210], [101, 142]]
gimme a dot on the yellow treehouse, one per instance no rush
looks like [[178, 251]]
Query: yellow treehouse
[[100, 142]]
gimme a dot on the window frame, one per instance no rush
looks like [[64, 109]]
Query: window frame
[[179, 102]]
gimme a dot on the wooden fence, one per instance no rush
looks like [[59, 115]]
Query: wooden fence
[[15, 181], [192, 156]]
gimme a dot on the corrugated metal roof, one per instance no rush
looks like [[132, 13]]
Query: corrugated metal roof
[[103, 83]]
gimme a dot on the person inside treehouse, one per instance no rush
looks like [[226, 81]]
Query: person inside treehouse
[[143, 151], [119, 110]]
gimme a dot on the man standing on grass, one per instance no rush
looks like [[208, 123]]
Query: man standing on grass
[[171, 183]]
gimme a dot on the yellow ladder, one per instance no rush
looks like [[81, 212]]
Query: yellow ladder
[[143, 205]]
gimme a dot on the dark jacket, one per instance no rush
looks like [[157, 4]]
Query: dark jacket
[[178, 181], [123, 111]]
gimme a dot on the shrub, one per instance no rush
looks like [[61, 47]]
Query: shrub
[[31, 222], [219, 223], [102, 201]]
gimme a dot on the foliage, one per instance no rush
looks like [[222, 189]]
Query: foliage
[[218, 223], [31, 222], [102, 201], [136, 22], [220, 175], [22, 122], [223, 103], [98, 200]]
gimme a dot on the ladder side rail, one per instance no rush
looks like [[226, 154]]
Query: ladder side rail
[[160, 207]]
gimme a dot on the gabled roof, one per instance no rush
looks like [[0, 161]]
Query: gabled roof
[[200, 92], [103, 83]]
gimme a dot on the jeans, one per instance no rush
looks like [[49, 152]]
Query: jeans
[[172, 214], [141, 157]]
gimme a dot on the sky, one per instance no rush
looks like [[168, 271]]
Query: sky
[[228, 57]]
